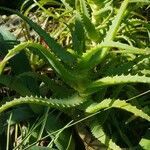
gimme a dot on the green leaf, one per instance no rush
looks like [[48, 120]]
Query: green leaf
[[93, 34], [15, 84], [7, 42], [145, 141], [84, 8], [120, 104], [125, 48], [45, 53], [78, 36], [125, 67], [18, 115], [116, 22], [58, 91], [40, 148], [94, 56], [68, 4], [90, 58], [69, 102], [96, 126], [140, 1], [98, 132], [63, 139], [66, 74], [118, 79], [56, 48]]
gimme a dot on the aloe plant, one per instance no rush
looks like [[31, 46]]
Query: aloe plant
[[103, 55]]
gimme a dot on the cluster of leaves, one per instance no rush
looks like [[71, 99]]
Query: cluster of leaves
[[99, 79]]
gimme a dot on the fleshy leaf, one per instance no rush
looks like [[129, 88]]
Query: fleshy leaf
[[42, 51], [64, 55], [114, 80], [55, 103], [120, 104]]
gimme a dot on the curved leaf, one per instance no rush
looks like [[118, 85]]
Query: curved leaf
[[121, 104], [140, 1], [64, 55], [55, 103], [7, 41], [57, 89], [90, 29], [58, 67], [127, 48], [96, 55], [114, 80], [98, 132]]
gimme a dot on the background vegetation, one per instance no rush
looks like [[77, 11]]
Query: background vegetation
[[76, 76]]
